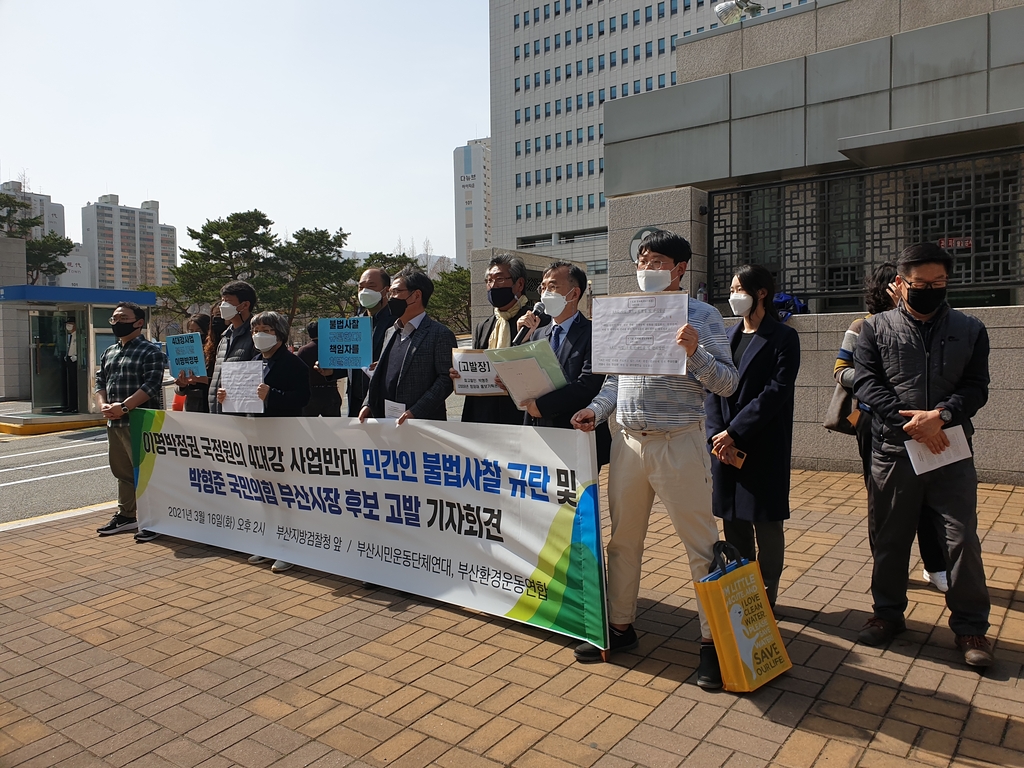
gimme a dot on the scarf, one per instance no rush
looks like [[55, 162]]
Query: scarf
[[501, 333]]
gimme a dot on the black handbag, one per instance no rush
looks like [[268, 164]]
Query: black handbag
[[842, 413]]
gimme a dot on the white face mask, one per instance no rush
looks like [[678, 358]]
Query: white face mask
[[69, 327], [554, 303], [264, 341], [227, 311], [653, 280], [741, 303], [368, 298]]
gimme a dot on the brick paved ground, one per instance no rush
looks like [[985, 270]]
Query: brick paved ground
[[169, 654]]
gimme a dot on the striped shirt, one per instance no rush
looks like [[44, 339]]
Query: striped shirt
[[664, 403], [124, 370]]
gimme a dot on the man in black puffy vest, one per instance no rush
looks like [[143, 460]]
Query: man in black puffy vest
[[923, 368]]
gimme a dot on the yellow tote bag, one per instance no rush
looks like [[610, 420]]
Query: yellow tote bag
[[747, 639]]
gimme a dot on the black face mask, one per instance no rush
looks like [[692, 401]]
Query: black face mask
[[123, 329], [500, 297], [924, 301], [397, 307], [218, 325]]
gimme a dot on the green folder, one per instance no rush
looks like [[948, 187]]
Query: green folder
[[539, 350]]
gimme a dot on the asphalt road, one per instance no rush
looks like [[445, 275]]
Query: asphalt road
[[53, 473]]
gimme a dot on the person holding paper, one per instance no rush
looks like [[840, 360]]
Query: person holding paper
[[324, 398], [570, 335], [373, 301], [505, 281], [661, 449], [751, 494], [238, 302], [922, 368], [411, 380], [196, 389]]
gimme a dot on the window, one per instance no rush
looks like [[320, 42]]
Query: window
[[600, 63], [558, 206], [661, 10], [547, 143], [568, 138], [579, 135], [579, 202], [529, 112], [600, 96], [613, 92], [558, 74], [700, 29], [526, 51], [536, 179], [590, 31], [600, 196], [519, 148], [547, 175], [547, 208], [625, 89], [590, 167], [673, 77], [649, 83], [536, 15], [714, 26], [517, 53], [636, 18], [579, 169], [536, 47], [529, 146], [536, 145], [672, 41], [686, 5], [625, 55], [673, 7], [519, 180], [611, 24], [517, 117], [579, 68], [558, 7], [536, 112], [579, 34], [600, 165], [579, 101], [590, 65], [568, 104], [547, 45], [558, 107], [558, 41], [649, 49], [517, 85], [519, 213], [536, 79], [568, 171], [648, 16], [636, 52], [611, 58], [528, 214], [590, 202], [547, 12], [661, 46], [516, 21], [590, 133], [686, 33], [661, 81], [568, 205], [529, 178], [568, 71], [600, 28], [590, 99], [547, 77], [636, 86], [526, 82], [625, 20], [558, 168]]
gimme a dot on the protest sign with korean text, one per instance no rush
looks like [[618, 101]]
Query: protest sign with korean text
[[344, 342], [501, 519], [476, 374], [635, 334], [185, 353]]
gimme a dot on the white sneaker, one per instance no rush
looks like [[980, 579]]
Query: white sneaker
[[280, 565], [255, 559], [938, 580]]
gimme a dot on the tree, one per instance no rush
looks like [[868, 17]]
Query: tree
[[450, 302], [42, 256], [392, 263], [12, 222], [304, 266]]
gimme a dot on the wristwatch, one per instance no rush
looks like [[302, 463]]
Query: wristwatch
[[124, 409], [946, 415]]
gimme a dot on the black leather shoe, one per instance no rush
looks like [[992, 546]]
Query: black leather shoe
[[976, 649], [709, 673], [879, 631], [619, 640]]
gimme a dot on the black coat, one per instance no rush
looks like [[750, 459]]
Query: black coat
[[288, 379], [359, 382], [492, 409], [233, 348], [759, 418], [424, 382], [574, 355]]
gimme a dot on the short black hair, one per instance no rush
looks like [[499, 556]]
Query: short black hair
[[312, 329], [923, 253], [140, 312], [876, 288], [274, 320], [754, 278], [668, 244], [417, 280], [576, 274], [385, 278], [516, 266], [242, 291]]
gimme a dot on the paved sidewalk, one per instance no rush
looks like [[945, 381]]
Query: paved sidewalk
[[171, 654]]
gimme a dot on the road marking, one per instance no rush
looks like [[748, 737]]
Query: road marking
[[48, 463], [15, 524], [50, 477], [74, 444]]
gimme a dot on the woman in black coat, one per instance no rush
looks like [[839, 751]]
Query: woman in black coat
[[751, 492]]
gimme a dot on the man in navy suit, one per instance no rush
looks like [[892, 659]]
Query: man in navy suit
[[373, 301], [411, 378], [569, 334]]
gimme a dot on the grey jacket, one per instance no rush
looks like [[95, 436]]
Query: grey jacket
[[903, 364]]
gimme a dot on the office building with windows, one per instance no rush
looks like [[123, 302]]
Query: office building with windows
[[554, 67], [472, 199], [129, 245]]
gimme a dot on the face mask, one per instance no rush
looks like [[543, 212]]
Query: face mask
[[741, 303], [218, 325], [924, 301], [263, 341], [397, 307], [554, 303], [69, 327], [123, 329], [227, 311], [368, 298], [653, 280], [500, 297]]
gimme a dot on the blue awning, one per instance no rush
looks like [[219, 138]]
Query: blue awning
[[47, 294]]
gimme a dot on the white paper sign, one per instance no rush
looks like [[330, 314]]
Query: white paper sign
[[923, 460], [241, 380], [635, 334], [476, 373], [393, 410], [525, 379]]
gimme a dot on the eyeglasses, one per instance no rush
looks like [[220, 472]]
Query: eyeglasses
[[643, 263], [934, 284], [496, 280]]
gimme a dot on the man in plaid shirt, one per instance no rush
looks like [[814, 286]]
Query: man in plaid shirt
[[130, 375]]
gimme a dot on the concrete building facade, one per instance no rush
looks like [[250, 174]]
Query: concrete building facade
[[130, 245], [472, 199], [42, 205]]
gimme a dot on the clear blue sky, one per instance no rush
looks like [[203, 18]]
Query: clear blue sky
[[321, 113]]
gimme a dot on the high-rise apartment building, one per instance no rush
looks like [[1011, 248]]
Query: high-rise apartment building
[[554, 65], [130, 245], [472, 199], [51, 212]]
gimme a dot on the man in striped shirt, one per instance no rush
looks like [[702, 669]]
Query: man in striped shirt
[[661, 449]]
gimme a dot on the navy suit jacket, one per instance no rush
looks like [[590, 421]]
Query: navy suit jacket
[[493, 409], [358, 382], [424, 382]]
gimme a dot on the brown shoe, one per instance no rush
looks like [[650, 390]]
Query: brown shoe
[[879, 631], [976, 649]]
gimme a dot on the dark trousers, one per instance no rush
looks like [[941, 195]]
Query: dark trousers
[[323, 401], [898, 498], [931, 538], [770, 551], [70, 388]]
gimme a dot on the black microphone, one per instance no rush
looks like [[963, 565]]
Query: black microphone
[[538, 310]]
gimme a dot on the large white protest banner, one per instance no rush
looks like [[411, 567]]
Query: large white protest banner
[[501, 519]]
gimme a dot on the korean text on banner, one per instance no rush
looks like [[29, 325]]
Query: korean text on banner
[[344, 342], [500, 519], [185, 353], [635, 334]]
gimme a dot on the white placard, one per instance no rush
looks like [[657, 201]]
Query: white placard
[[524, 379], [476, 374], [393, 410], [923, 460], [635, 334], [241, 379]]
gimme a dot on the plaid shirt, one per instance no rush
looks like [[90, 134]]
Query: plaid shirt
[[664, 403], [124, 370]]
